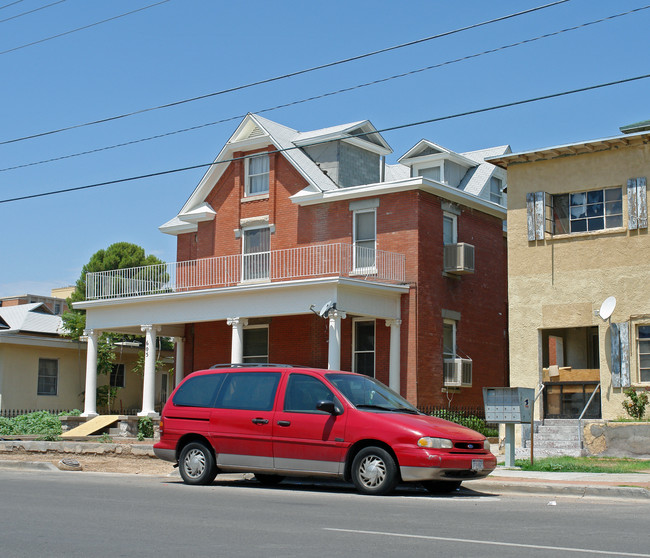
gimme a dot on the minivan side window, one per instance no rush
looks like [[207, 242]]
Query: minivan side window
[[253, 391], [199, 391], [304, 393]]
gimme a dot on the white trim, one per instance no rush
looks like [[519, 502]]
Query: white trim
[[248, 176], [355, 321]]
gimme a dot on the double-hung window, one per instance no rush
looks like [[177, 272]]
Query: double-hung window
[[365, 240], [363, 347], [257, 175], [643, 345], [496, 189], [48, 376], [256, 257], [448, 339], [449, 229]]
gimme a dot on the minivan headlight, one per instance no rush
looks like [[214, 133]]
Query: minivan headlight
[[436, 443], [486, 444]]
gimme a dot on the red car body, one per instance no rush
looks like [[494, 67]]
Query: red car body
[[310, 422]]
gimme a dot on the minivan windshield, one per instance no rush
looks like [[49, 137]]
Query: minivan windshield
[[367, 393]]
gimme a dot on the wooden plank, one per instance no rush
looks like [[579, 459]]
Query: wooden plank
[[624, 335], [530, 215], [641, 203], [540, 215], [91, 426], [616, 355], [632, 213]]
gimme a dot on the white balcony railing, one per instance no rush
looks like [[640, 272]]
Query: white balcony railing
[[279, 265]]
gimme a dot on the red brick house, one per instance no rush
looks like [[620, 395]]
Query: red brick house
[[308, 249]]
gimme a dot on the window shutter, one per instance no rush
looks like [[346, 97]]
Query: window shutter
[[637, 205], [620, 340], [536, 215]]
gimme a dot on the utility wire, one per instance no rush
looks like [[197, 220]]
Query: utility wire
[[82, 28], [389, 129], [328, 94], [284, 76], [10, 4], [32, 11]]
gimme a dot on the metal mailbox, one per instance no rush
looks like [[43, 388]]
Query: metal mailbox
[[508, 404]]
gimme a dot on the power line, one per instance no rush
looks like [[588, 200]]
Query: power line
[[10, 4], [329, 94], [82, 28], [389, 129], [283, 76], [32, 11]]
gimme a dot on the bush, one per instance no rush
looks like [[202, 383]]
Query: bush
[[6, 426], [636, 403], [40, 423], [470, 421], [145, 428]]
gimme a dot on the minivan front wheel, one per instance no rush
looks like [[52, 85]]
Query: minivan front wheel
[[196, 464], [374, 471]]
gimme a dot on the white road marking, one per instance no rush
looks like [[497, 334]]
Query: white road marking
[[492, 543]]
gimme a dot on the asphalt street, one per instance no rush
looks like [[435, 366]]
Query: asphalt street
[[58, 514]]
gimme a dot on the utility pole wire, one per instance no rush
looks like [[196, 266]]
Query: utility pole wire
[[383, 130], [280, 77], [32, 11]]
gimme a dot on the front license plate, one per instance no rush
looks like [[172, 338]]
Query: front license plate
[[477, 464]]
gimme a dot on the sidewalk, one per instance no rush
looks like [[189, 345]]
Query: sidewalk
[[631, 485]]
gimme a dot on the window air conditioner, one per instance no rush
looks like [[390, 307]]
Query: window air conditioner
[[459, 258], [457, 372]]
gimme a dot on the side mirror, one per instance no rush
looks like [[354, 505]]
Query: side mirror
[[329, 407]]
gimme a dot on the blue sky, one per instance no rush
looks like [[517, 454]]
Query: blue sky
[[185, 48]]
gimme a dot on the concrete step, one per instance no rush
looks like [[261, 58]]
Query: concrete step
[[557, 433], [524, 453]]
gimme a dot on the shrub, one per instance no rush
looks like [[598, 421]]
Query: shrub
[[145, 428], [6, 426], [470, 421], [40, 423], [636, 403]]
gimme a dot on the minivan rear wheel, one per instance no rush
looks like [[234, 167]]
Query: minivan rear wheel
[[196, 464], [374, 471]]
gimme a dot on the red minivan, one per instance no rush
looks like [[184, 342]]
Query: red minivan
[[277, 421]]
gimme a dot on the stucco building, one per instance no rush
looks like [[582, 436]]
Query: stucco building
[[578, 235], [307, 248]]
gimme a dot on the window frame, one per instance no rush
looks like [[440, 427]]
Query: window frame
[[639, 354], [446, 215], [259, 275], [115, 374], [454, 328], [499, 190], [244, 356], [355, 242], [569, 221], [356, 351], [249, 176], [40, 377]]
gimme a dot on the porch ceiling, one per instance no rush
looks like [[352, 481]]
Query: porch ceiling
[[172, 310]]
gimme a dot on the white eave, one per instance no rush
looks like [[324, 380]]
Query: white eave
[[410, 157], [305, 198]]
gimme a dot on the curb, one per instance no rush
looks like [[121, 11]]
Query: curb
[[28, 465], [584, 491], [78, 448]]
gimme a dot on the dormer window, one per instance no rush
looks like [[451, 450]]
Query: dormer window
[[432, 173], [257, 175], [496, 189]]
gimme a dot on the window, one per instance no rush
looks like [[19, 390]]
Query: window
[[304, 393], [496, 188], [449, 229], [257, 175], [363, 347], [48, 376], [117, 376], [256, 344], [643, 343], [365, 238], [256, 253], [254, 391], [432, 173], [594, 210], [448, 339], [199, 391]]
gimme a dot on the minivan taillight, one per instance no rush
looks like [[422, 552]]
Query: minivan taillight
[[160, 427]]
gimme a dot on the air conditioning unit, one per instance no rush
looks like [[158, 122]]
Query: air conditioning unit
[[457, 372], [459, 258]]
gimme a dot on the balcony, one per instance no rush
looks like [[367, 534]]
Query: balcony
[[325, 260], [459, 258]]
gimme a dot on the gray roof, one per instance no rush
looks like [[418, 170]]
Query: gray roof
[[477, 178], [31, 318]]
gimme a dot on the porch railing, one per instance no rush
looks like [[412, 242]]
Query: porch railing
[[306, 262]]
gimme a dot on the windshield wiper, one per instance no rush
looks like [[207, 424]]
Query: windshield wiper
[[405, 410], [379, 407]]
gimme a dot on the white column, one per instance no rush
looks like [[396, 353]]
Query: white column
[[394, 354], [237, 346], [179, 373], [149, 380], [334, 349], [90, 395]]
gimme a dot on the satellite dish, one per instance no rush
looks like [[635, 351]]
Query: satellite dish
[[607, 308], [324, 311]]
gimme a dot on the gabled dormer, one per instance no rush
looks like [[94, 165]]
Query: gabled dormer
[[437, 163]]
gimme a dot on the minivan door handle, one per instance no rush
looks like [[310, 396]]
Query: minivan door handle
[[260, 421], [284, 423]]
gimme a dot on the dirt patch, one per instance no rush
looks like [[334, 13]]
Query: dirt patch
[[139, 465]]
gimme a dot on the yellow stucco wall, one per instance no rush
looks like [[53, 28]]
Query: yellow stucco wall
[[559, 282], [19, 378]]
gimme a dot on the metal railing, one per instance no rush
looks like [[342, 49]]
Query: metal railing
[[224, 271]]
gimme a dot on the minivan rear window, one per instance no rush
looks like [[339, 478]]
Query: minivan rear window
[[199, 391], [254, 391]]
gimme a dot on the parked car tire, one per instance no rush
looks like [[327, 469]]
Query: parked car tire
[[196, 464], [374, 471], [268, 480], [441, 487]]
